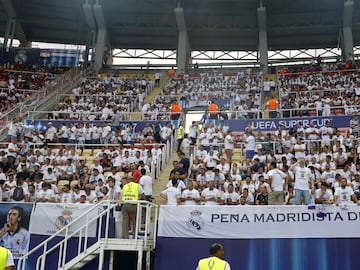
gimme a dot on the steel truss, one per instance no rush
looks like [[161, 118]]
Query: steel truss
[[245, 57]]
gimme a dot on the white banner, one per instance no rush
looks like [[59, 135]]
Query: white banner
[[48, 219], [253, 222]]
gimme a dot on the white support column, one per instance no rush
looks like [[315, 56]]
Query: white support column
[[348, 43], [102, 46], [183, 52], [263, 44]]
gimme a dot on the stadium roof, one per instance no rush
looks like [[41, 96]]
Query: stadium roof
[[211, 24]]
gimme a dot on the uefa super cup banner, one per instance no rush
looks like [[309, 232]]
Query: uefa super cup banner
[[48, 219], [252, 222]]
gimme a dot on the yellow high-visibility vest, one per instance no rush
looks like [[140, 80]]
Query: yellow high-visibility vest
[[3, 257], [211, 263], [180, 133], [130, 192]]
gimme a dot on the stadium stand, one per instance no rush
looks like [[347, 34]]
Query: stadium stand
[[85, 146], [107, 148], [20, 83]]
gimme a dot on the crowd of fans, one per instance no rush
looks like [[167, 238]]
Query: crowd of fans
[[324, 158], [298, 166], [19, 83], [105, 99], [242, 88], [77, 160], [45, 172], [323, 93]]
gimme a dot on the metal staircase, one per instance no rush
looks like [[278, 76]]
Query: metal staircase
[[87, 251]]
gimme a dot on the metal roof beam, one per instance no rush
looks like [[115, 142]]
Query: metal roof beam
[[11, 13]]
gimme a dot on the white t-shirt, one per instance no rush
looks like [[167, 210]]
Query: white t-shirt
[[9, 259], [302, 178], [181, 185], [190, 193], [214, 193], [45, 194], [211, 160], [250, 143], [277, 179], [299, 154], [67, 197], [344, 194], [233, 196], [327, 197], [228, 142], [146, 182], [172, 194], [203, 179]]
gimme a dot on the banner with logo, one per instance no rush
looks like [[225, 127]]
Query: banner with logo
[[41, 125], [289, 123], [24, 56], [60, 57], [251, 222], [15, 219], [48, 219]]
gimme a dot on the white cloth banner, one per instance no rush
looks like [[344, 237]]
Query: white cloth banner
[[48, 219], [253, 222]]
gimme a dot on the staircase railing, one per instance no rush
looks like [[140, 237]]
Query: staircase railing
[[81, 233]]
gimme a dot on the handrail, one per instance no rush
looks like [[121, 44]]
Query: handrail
[[58, 233], [259, 113], [127, 115], [287, 73], [83, 239], [21, 89], [30, 72]]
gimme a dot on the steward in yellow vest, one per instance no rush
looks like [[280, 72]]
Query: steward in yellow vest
[[180, 135], [130, 193], [215, 261]]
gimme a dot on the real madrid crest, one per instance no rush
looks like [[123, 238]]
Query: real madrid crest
[[20, 57], [195, 222], [64, 219]]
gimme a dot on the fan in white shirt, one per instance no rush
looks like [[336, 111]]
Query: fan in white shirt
[[344, 194], [45, 194], [172, 194], [66, 196], [146, 182], [190, 196], [210, 195]]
